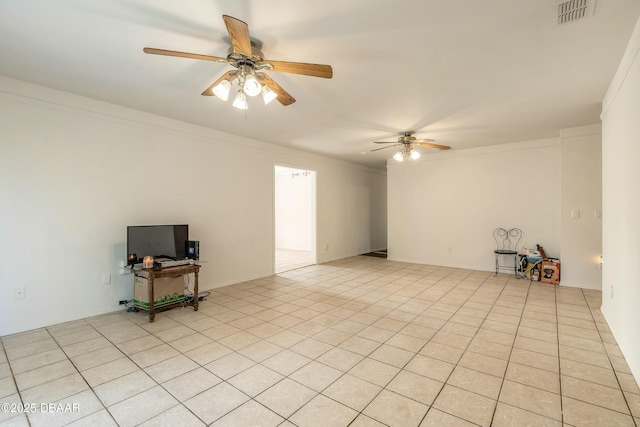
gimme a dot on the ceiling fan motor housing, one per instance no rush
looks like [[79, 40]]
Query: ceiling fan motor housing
[[256, 55]]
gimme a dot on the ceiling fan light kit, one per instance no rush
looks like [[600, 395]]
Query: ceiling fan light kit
[[249, 84], [249, 60], [406, 152]]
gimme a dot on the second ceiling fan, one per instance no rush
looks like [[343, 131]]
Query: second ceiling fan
[[408, 141], [249, 63]]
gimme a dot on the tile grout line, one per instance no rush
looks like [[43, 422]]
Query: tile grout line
[[466, 347], [439, 329], [240, 372], [80, 373], [13, 378], [555, 292], [615, 372], [428, 341], [365, 357], [361, 412], [124, 356], [504, 377], [48, 382], [44, 383], [312, 360], [315, 359]]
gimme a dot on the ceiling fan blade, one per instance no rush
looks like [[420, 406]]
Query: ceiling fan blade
[[154, 51], [283, 97], [385, 142], [239, 33], [229, 75], [427, 144], [313, 70], [384, 148], [422, 140]]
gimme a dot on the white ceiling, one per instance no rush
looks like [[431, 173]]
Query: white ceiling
[[466, 73]]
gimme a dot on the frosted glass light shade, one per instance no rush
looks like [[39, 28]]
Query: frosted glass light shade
[[415, 155], [241, 101], [221, 90], [268, 95], [399, 156], [252, 86]]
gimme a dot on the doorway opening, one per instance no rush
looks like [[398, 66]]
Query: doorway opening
[[295, 218]]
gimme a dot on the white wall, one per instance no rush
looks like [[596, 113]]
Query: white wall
[[444, 207], [621, 204], [294, 204], [74, 172], [359, 203], [581, 190]]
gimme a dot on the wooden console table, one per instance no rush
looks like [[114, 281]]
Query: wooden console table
[[152, 273]]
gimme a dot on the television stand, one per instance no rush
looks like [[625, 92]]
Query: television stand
[[151, 274]]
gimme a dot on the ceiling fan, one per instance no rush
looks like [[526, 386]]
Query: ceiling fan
[[249, 62], [408, 142]]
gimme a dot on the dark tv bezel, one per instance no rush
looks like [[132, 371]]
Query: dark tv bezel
[[140, 256]]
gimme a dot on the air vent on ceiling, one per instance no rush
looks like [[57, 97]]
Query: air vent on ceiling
[[573, 10]]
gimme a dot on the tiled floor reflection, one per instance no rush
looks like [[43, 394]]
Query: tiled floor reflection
[[290, 259], [359, 342]]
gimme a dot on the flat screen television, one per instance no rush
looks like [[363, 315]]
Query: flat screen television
[[158, 241]]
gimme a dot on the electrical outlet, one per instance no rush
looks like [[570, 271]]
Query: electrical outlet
[[18, 293], [326, 247], [450, 249], [611, 291]]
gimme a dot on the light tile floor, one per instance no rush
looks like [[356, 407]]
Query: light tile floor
[[361, 341], [290, 259]]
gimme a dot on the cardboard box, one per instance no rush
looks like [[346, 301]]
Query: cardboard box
[[550, 271], [166, 291]]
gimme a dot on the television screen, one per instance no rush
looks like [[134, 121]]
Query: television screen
[[158, 241]]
